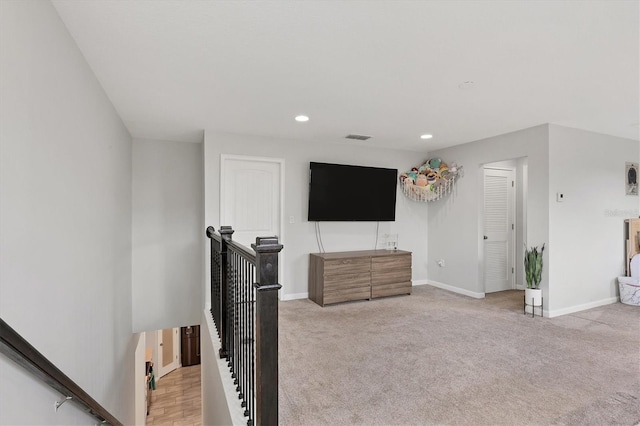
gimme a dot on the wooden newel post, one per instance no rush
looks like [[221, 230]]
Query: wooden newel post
[[267, 249], [225, 324]]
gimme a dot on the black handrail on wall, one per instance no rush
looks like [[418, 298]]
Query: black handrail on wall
[[14, 346], [244, 307]]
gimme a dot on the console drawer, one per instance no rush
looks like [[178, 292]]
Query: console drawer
[[346, 266]]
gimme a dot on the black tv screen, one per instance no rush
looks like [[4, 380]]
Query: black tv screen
[[339, 192]]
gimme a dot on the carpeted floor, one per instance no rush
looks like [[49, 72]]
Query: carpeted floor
[[439, 358]]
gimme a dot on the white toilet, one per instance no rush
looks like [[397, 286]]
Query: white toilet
[[630, 286]]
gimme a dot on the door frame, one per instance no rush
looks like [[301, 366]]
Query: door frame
[[520, 190], [223, 193], [511, 214]]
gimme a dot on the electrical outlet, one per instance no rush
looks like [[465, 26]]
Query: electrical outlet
[[292, 219]]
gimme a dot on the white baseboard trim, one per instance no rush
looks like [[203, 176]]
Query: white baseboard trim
[[520, 287], [583, 307], [294, 296], [456, 289], [419, 282]]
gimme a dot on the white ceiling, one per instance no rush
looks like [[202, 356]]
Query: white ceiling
[[387, 69]]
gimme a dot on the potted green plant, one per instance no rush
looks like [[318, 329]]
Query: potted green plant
[[533, 273]]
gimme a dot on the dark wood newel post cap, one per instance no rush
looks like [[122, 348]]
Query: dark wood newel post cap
[[225, 230], [210, 231], [267, 249], [267, 245]]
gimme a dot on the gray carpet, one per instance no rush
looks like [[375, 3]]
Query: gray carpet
[[439, 358]]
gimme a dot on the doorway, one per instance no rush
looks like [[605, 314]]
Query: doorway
[[503, 224], [168, 351], [190, 345]]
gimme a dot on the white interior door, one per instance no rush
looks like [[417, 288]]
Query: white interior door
[[252, 200], [168, 351], [250, 195], [499, 229]]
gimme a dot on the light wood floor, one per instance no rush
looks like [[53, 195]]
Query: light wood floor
[[176, 401]]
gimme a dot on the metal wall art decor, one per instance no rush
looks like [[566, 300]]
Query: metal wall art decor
[[431, 181], [631, 178]]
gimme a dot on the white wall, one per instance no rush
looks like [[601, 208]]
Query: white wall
[[221, 405], [522, 172], [167, 234], [455, 223], [140, 380], [299, 237], [586, 230], [65, 221], [151, 342]]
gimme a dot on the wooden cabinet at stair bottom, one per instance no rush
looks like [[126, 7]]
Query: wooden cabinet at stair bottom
[[358, 275]]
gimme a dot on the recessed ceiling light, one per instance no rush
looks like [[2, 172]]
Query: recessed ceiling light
[[302, 118], [426, 136], [466, 85]]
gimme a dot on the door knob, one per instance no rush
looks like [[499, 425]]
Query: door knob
[[486, 238]]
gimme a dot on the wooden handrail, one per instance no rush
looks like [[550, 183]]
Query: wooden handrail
[[14, 346], [243, 251]]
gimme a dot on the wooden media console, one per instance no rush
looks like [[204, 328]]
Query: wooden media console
[[358, 275]]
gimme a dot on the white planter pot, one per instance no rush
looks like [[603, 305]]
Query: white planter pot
[[533, 300], [629, 290], [533, 296]]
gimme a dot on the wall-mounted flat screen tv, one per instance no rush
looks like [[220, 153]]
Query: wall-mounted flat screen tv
[[340, 192]]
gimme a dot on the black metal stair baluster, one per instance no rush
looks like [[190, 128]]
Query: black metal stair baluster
[[209, 232], [249, 339], [216, 302], [234, 364], [231, 314], [231, 303], [214, 299], [218, 286], [234, 358], [238, 286], [247, 286], [238, 322], [252, 392], [225, 315], [215, 278], [242, 313], [241, 329]]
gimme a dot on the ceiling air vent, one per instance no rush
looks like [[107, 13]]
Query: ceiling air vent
[[358, 137]]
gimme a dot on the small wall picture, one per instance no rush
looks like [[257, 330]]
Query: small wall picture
[[631, 178]]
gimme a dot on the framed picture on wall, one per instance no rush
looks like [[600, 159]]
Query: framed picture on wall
[[631, 178]]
